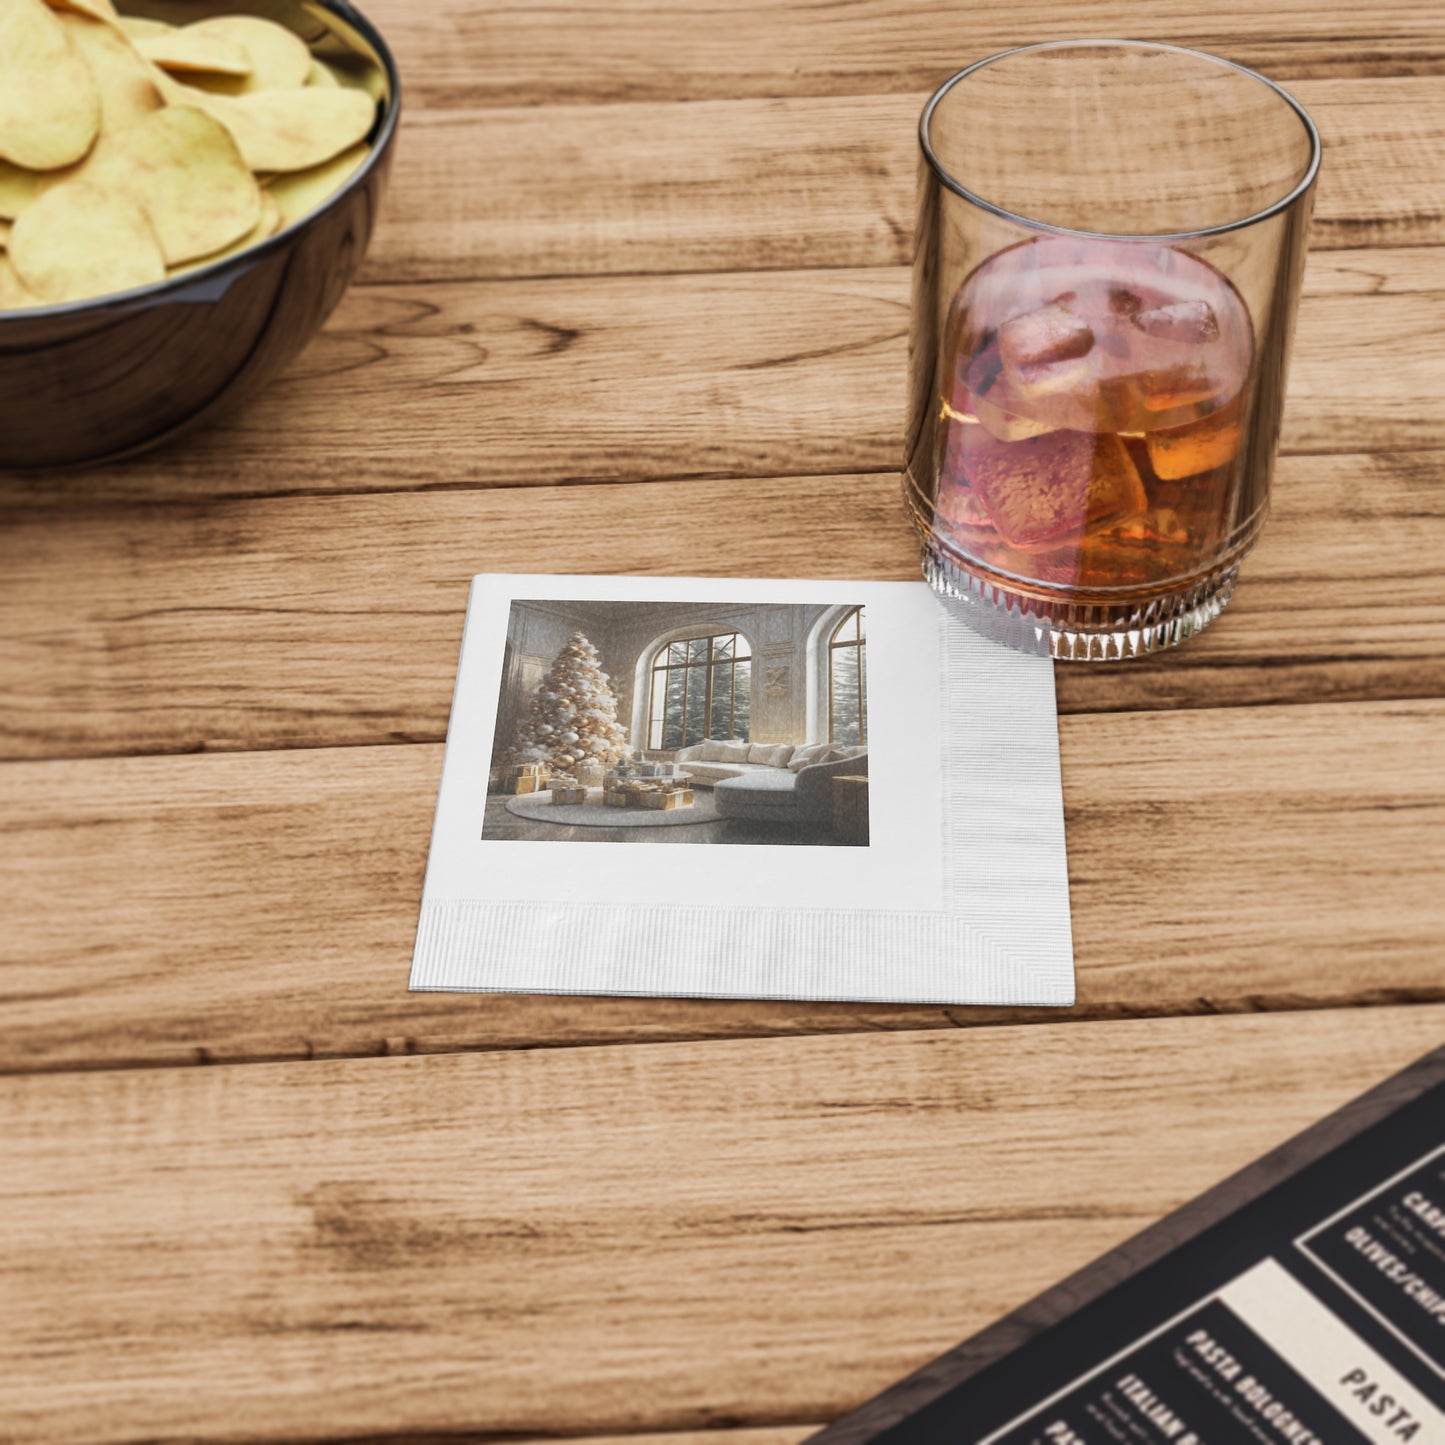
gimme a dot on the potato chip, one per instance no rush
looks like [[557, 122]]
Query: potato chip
[[134, 27], [78, 241], [181, 167], [263, 230], [96, 9], [49, 105], [18, 187], [298, 193], [279, 59], [127, 93], [322, 75], [190, 49], [5, 235], [283, 130], [13, 295]]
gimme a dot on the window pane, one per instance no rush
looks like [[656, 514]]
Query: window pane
[[846, 685], [697, 649], [672, 734], [742, 697], [722, 647], [695, 723], [677, 652], [863, 694], [741, 648], [720, 725]]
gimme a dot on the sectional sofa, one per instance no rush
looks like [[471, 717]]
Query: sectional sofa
[[769, 782]]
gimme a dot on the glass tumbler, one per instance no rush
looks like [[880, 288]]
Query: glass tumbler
[[1110, 241]]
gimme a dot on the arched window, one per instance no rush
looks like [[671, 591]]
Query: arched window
[[702, 687], [848, 681]]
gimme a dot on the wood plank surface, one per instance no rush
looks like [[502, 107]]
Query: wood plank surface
[[456, 53], [263, 906], [521, 384], [303, 622], [767, 184], [643, 266], [603, 1240]]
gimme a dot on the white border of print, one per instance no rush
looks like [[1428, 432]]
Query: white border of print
[[960, 897], [1301, 1243]]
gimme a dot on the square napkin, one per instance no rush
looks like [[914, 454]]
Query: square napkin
[[954, 891]]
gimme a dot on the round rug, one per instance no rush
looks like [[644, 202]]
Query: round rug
[[594, 813]]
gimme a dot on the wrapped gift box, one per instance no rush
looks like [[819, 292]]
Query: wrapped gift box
[[566, 795], [667, 798]]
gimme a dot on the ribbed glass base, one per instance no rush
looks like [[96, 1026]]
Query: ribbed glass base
[[1093, 631]]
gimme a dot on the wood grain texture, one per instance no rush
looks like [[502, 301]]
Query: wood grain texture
[[1118, 1269], [521, 384], [306, 622], [606, 1240], [456, 53], [785, 184], [263, 906]]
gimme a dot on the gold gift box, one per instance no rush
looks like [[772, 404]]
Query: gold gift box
[[671, 798], [566, 795], [656, 795]]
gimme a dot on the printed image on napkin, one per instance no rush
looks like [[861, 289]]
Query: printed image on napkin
[[741, 788]]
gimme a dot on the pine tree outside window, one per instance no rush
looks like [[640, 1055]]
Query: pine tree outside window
[[848, 681], [701, 688]]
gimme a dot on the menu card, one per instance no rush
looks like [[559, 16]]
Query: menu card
[[1301, 1302]]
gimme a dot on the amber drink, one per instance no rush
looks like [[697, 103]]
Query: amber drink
[[1096, 415]]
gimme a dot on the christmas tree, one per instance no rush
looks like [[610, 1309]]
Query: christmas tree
[[573, 717]]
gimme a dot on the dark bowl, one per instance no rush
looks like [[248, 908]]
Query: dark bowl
[[98, 379]]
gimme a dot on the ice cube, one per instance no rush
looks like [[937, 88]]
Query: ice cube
[[959, 510], [1172, 388], [1006, 425], [1045, 490], [1185, 451], [1042, 337], [1192, 322], [990, 399]]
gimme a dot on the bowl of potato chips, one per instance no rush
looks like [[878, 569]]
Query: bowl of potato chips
[[186, 190]]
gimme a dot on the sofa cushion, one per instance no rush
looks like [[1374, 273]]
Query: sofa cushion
[[808, 753], [762, 780], [710, 750], [780, 755], [734, 751], [759, 752]]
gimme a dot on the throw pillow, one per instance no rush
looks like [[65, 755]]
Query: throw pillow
[[779, 756], [734, 752], [711, 751], [759, 753], [806, 754]]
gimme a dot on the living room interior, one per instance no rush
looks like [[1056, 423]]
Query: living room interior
[[760, 708]]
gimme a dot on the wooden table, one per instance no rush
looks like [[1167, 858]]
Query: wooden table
[[644, 262]]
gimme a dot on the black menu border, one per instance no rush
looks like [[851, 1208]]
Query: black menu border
[[1154, 1246]]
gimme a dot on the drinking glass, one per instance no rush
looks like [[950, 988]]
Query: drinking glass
[[1110, 241]]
